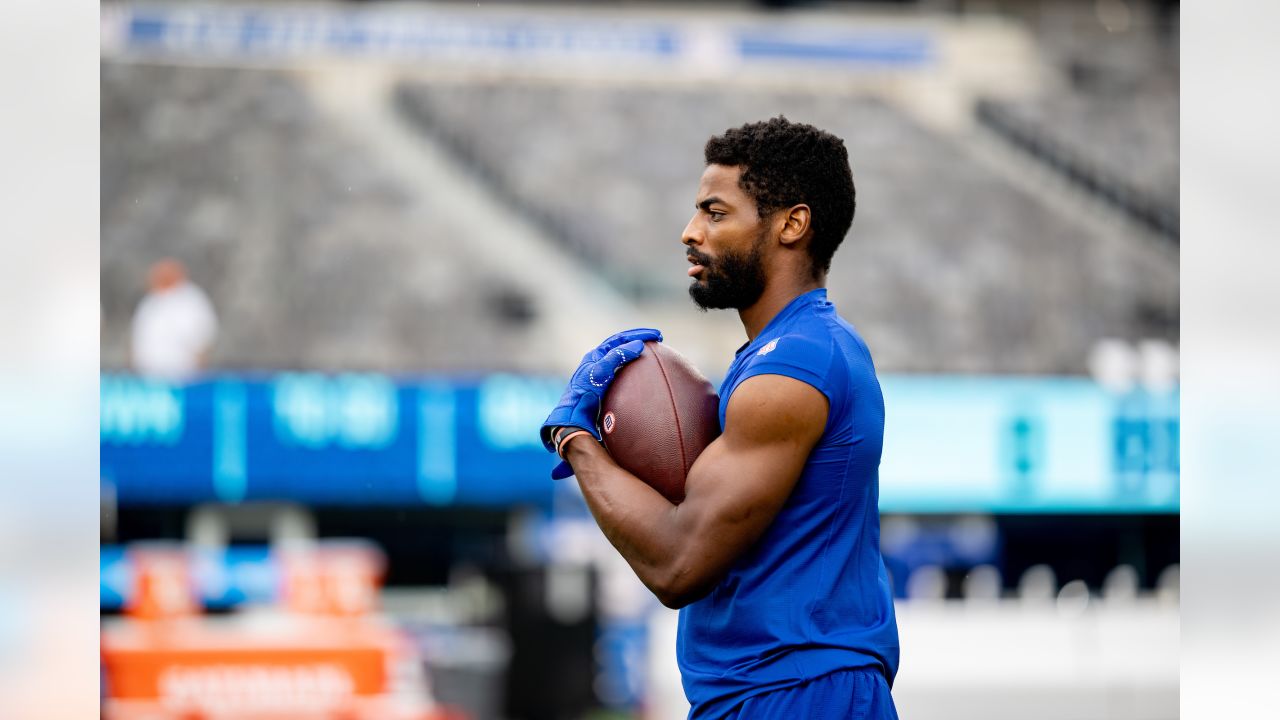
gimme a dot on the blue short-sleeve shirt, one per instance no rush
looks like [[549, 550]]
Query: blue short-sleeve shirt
[[812, 596]]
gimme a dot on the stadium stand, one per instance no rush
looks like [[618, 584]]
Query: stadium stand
[[949, 266], [313, 255], [317, 256], [1110, 123]]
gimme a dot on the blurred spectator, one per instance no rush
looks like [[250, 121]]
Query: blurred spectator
[[174, 325]]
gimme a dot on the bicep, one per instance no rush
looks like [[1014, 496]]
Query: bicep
[[740, 482]]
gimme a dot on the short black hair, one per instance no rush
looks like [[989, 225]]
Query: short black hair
[[785, 164]]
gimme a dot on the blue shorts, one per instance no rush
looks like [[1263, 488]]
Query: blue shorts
[[860, 694]]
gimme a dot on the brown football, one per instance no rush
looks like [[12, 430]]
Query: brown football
[[659, 414]]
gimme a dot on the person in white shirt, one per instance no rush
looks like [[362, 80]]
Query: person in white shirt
[[174, 325]]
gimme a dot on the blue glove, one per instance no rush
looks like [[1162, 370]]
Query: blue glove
[[580, 404]]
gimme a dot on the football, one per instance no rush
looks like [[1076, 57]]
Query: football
[[659, 414]]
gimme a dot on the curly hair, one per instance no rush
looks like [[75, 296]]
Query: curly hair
[[785, 164]]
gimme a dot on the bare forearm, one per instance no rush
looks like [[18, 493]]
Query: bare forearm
[[637, 520]]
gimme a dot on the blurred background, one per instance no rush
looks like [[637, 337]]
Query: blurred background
[[350, 252]]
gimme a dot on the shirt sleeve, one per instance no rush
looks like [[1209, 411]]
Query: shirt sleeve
[[205, 320], [805, 359]]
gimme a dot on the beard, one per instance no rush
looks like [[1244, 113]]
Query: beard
[[735, 280]]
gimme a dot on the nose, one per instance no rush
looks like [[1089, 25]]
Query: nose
[[692, 234]]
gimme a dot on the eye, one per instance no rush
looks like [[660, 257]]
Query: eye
[[716, 215]]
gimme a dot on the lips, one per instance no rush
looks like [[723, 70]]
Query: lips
[[698, 266]]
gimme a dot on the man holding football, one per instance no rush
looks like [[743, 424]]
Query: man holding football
[[773, 557]]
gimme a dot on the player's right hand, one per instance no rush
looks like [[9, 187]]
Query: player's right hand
[[579, 406]]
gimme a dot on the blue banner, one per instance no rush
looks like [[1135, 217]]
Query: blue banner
[[461, 35], [952, 444], [351, 439], [982, 444]]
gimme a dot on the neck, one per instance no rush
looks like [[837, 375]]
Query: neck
[[775, 297]]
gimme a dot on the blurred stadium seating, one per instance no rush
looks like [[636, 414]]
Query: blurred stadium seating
[[949, 267], [980, 276], [314, 256], [1109, 121]]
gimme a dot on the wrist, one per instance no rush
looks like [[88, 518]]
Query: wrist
[[575, 439], [564, 435]]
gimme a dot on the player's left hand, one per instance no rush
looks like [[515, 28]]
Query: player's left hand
[[580, 405]]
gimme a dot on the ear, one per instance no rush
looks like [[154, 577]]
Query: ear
[[795, 224]]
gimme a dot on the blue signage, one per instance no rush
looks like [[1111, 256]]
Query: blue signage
[[327, 439], [462, 35], [952, 444], [267, 31], [982, 444], [222, 578]]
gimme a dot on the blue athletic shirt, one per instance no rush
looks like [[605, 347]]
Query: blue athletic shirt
[[812, 596]]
